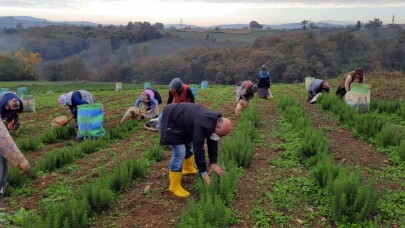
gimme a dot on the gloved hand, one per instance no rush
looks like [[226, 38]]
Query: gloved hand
[[24, 166]]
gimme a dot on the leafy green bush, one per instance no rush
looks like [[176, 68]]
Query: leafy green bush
[[401, 150], [369, 124], [138, 168], [99, 196], [313, 143], [154, 153], [210, 211], [72, 213], [325, 171], [14, 177], [390, 136], [58, 134], [349, 198], [239, 150], [29, 144], [122, 130], [397, 107], [224, 186], [90, 146], [286, 101]]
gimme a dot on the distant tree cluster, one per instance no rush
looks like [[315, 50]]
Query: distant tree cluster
[[56, 42], [255, 25], [21, 66], [374, 24]]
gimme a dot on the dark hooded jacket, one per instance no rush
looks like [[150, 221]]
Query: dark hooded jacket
[[188, 122]]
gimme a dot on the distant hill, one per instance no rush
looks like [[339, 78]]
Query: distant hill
[[26, 21], [321, 24]]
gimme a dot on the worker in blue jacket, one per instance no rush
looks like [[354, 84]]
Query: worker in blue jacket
[[10, 108]]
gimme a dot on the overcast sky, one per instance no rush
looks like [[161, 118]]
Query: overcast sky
[[206, 12]]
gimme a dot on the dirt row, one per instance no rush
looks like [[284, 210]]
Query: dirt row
[[346, 147]]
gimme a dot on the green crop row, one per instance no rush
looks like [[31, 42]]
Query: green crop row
[[371, 125], [54, 135], [348, 195], [396, 107], [59, 157], [214, 206], [94, 197]]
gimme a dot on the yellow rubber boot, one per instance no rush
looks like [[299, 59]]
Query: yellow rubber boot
[[188, 166], [175, 184]]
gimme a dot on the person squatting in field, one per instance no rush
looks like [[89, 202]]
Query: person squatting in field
[[316, 87], [9, 154], [10, 108], [264, 83], [179, 92], [150, 99], [244, 92], [75, 98], [187, 125], [356, 76]]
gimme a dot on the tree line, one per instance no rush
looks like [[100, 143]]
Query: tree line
[[290, 56]]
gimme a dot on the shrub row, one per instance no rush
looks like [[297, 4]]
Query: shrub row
[[370, 125], [96, 196], [213, 209], [53, 135], [60, 157], [396, 107], [350, 198]]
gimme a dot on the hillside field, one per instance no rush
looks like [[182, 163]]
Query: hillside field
[[287, 163]]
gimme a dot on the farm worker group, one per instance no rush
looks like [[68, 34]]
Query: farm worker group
[[10, 108], [318, 86], [183, 125]]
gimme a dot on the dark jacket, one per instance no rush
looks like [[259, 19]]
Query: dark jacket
[[188, 122], [4, 98], [76, 100]]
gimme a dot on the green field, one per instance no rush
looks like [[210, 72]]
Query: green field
[[287, 164], [248, 38]]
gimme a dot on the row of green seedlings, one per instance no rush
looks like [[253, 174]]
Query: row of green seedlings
[[349, 196], [371, 125], [53, 135], [60, 157], [395, 107], [92, 198], [214, 207]]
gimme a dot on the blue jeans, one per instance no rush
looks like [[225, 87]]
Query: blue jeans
[[180, 152]]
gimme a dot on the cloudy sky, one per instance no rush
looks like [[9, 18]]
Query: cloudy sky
[[206, 12]]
